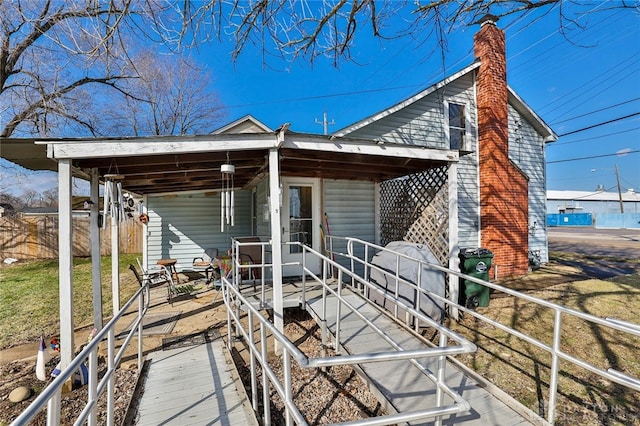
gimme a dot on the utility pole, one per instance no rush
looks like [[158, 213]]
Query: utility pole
[[325, 123], [619, 191]]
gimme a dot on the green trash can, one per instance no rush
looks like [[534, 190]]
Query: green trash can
[[476, 263]]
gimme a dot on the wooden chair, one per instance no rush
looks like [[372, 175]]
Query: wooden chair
[[154, 278]]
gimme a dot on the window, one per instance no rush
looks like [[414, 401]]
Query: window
[[457, 125], [300, 216]]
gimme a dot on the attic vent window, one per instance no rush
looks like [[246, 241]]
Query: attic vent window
[[457, 125]]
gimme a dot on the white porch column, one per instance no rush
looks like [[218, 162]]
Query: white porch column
[[96, 259], [454, 249], [145, 233], [65, 261], [276, 239], [115, 257]]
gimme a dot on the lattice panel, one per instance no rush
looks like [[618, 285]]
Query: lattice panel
[[432, 227], [415, 208]]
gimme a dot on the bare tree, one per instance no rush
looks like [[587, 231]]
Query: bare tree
[[329, 28], [57, 59], [177, 99], [53, 54]]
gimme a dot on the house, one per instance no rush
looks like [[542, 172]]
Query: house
[[501, 141], [459, 164], [6, 209], [501, 175]]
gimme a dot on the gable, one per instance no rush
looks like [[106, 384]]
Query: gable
[[246, 124], [409, 107], [419, 120]]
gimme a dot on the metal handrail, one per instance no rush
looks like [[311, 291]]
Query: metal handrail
[[51, 395], [554, 350], [235, 300]]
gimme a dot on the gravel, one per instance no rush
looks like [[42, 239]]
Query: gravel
[[337, 394], [22, 373]]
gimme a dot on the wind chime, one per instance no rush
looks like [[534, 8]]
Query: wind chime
[[114, 205], [227, 209]]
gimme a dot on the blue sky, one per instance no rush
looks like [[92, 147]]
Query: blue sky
[[573, 81]]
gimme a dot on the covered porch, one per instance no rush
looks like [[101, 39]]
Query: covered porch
[[276, 170]]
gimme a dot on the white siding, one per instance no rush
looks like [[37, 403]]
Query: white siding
[[423, 123], [526, 149], [263, 223], [350, 208], [182, 226]]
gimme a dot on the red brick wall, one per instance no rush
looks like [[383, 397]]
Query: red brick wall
[[503, 188]]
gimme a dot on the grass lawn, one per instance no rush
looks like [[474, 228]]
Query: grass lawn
[[29, 296], [523, 370]]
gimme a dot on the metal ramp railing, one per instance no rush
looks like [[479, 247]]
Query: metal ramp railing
[[255, 328], [358, 255], [51, 395]]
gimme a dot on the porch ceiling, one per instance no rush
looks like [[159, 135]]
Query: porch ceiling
[[177, 164], [152, 174], [161, 173]]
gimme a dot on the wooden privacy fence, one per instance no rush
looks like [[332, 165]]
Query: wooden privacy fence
[[37, 237]]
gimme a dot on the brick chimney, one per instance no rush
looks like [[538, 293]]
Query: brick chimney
[[503, 187]]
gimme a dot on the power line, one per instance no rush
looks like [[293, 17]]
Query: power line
[[600, 124], [591, 157], [595, 137], [331, 95], [602, 87], [598, 110]]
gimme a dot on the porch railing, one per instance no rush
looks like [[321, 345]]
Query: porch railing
[[236, 303], [366, 251], [51, 395]]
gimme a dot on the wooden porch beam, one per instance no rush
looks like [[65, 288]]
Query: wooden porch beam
[[352, 146], [96, 259], [158, 146]]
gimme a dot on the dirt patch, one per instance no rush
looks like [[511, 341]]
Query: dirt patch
[[335, 395], [22, 373]]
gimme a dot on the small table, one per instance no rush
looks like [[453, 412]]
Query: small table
[[170, 264]]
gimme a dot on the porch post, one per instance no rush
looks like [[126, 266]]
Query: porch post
[[454, 281], [96, 259], [65, 261], [115, 256], [276, 239], [145, 233]]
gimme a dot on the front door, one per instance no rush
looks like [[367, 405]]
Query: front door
[[300, 222]]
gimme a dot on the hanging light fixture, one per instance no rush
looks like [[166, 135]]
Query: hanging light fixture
[[227, 201], [113, 199]]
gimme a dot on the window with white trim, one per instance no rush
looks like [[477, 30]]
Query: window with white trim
[[456, 119]]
